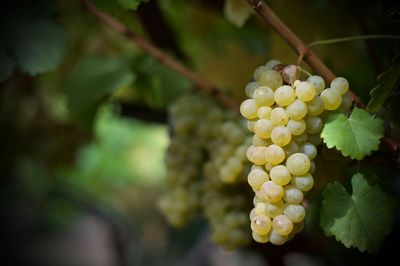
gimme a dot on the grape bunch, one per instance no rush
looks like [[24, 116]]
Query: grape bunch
[[207, 169], [286, 116]]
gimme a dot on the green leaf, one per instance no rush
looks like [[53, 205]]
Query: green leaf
[[361, 219], [356, 136], [157, 85], [92, 81], [39, 45], [386, 85]]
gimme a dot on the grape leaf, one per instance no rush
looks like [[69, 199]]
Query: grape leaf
[[31, 42], [157, 85], [91, 81], [356, 136], [361, 219], [39, 45], [387, 83]]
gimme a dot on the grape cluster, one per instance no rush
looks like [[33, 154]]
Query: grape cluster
[[207, 168], [285, 116]]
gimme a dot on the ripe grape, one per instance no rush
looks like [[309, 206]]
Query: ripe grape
[[296, 110], [295, 213], [264, 96], [305, 91], [282, 225], [298, 164], [286, 117], [274, 154], [284, 95], [331, 98], [281, 136], [261, 224], [341, 85]]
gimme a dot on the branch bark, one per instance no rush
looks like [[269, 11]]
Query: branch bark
[[163, 57], [300, 47]]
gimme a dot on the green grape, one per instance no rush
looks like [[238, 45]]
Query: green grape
[[305, 91], [257, 155], [340, 85], [295, 213], [286, 124], [270, 78], [274, 154], [271, 64], [312, 167], [296, 110], [271, 191], [296, 127], [332, 99], [298, 164], [260, 208], [250, 125], [284, 95], [256, 178], [257, 141], [314, 124], [274, 209], [347, 102], [259, 70], [268, 166], [304, 182], [250, 88], [282, 225], [263, 128], [281, 136], [316, 106], [318, 82], [260, 238], [310, 150], [291, 148], [293, 195], [279, 117], [264, 112], [261, 224], [277, 239], [249, 109], [300, 139], [264, 96], [280, 175]]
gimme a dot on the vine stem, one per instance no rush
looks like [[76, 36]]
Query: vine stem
[[162, 57], [353, 38], [300, 47]]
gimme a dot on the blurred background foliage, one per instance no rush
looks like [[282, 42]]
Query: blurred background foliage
[[83, 116]]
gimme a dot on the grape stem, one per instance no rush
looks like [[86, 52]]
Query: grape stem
[[162, 57], [302, 70], [353, 38], [300, 47]]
